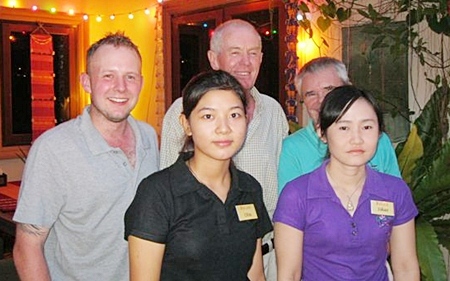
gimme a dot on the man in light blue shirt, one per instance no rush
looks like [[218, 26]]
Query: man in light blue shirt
[[303, 151]]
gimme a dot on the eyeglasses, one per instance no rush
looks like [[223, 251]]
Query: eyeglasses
[[311, 95]]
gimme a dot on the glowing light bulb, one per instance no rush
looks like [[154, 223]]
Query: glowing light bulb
[[12, 3], [85, 17], [160, 1], [130, 16], [52, 10], [34, 8], [71, 12], [112, 17], [147, 11], [98, 18]]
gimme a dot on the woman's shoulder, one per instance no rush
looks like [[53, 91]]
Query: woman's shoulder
[[388, 182], [163, 179], [386, 178]]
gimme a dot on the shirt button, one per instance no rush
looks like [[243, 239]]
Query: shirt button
[[353, 224], [124, 164], [354, 232]]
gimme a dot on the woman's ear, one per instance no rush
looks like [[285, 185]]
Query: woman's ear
[[321, 136], [185, 124]]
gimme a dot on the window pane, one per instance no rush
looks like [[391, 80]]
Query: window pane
[[21, 82]]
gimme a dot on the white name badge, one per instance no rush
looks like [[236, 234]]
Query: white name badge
[[385, 208], [246, 212]]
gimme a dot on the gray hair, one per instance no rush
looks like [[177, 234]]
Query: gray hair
[[319, 64], [217, 38]]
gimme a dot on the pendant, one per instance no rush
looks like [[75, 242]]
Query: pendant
[[350, 206]]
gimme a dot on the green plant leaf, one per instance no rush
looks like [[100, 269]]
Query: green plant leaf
[[363, 13], [441, 227], [378, 42], [343, 14], [431, 261], [303, 7], [414, 17], [293, 127], [432, 129], [435, 186], [323, 23], [412, 151]]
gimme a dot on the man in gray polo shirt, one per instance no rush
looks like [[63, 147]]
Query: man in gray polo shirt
[[81, 176]]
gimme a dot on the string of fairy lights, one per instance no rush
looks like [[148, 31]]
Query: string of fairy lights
[[86, 16]]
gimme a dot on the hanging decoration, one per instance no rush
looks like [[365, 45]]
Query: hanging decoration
[[98, 17], [291, 7], [42, 81], [159, 70]]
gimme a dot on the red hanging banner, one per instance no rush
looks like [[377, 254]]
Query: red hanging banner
[[42, 81]]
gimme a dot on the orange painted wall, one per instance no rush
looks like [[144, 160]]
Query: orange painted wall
[[141, 30]]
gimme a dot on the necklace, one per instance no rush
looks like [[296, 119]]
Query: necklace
[[349, 206], [192, 171]]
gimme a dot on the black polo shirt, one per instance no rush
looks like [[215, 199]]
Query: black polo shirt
[[203, 237]]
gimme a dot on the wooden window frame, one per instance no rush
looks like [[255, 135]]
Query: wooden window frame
[[76, 61]]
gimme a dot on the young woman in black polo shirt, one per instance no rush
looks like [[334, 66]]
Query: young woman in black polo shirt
[[201, 218]]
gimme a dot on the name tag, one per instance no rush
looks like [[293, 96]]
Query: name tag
[[384, 208], [246, 212]]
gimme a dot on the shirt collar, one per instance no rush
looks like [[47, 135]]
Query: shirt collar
[[321, 188], [183, 181], [95, 141]]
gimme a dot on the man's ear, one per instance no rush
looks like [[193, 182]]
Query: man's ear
[[212, 57], [185, 124], [85, 82]]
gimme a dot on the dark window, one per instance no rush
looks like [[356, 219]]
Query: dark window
[[16, 78]]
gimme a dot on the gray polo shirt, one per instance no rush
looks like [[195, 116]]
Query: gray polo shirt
[[80, 187]]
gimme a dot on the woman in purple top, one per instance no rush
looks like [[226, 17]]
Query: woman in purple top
[[340, 221]]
